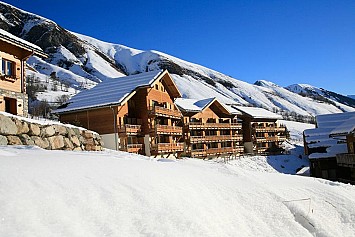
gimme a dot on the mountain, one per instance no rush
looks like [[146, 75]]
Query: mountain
[[78, 62], [351, 96]]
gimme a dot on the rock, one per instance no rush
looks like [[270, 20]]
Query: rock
[[26, 140], [8, 127], [34, 130], [48, 131], [87, 134], [22, 127], [41, 142], [56, 142], [60, 130], [77, 149], [3, 140], [13, 140], [75, 141], [68, 143]]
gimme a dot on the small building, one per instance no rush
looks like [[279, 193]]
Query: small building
[[134, 113], [211, 128], [14, 52], [262, 132], [326, 143]]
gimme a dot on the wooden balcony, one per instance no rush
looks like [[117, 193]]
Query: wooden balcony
[[271, 139], [132, 148], [219, 151], [167, 147], [161, 111], [166, 129], [216, 151], [129, 129], [269, 129], [198, 125], [347, 160], [202, 139], [237, 137]]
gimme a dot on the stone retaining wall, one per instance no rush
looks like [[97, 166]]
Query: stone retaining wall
[[17, 131]]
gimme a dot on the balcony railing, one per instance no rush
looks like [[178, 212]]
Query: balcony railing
[[130, 129], [161, 111], [215, 138], [132, 148], [269, 129], [198, 153], [168, 147], [166, 129], [219, 151], [346, 160], [199, 125], [271, 139]]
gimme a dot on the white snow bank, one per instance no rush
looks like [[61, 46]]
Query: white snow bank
[[58, 193]]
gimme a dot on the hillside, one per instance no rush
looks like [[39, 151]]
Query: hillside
[[63, 193], [79, 62]]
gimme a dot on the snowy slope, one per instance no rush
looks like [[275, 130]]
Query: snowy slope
[[59, 193], [83, 61]]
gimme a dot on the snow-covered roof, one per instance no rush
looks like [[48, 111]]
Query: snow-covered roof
[[193, 105], [257, 113], [14, 39], [330, 133], [111, 92]]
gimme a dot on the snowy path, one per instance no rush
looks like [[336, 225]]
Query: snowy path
[[57, 193]]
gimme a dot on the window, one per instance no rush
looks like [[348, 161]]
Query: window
[[7, 68]]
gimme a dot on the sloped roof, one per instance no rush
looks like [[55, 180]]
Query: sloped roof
[[23, 43], [257, 113], [193, 105], [111, 91], [330, 133]]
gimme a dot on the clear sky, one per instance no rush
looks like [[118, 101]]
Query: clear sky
[[283, 41]]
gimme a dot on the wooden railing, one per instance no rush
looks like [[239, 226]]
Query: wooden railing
[[216, 138], [166, 129], [346, 159], [132, 148], [157, 110], [130, 129], [218, 151], [168, 147], [271, 139], [199, 125], [269, 129]]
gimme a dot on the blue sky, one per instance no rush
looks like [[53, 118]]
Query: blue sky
[[286, 42]]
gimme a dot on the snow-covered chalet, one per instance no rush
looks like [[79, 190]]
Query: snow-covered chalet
[[14, 52]]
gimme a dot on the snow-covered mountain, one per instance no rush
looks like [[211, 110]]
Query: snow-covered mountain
[[351, 96], [79, 62]]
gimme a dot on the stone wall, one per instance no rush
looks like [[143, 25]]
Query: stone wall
[[22, 100], [17, 131]]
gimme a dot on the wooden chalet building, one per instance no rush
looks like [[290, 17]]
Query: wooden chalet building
[[14, 52], [261, 131], [134, 113], [329, 146], [210, 128]]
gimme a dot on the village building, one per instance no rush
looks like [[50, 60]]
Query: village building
[[14, 52], [328, 144], [134, 113], [211, 129], [262, 133]]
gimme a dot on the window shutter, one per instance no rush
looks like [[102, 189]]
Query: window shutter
[[1, 66]]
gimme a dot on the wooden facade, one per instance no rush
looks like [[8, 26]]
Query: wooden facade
[[212, 132], [13, 55], [262, 135], [147, 123], [346, 162]]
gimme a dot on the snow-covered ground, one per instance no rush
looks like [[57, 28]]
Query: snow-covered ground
[[61, 193]]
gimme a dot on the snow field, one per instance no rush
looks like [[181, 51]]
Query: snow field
[[59, 193]]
